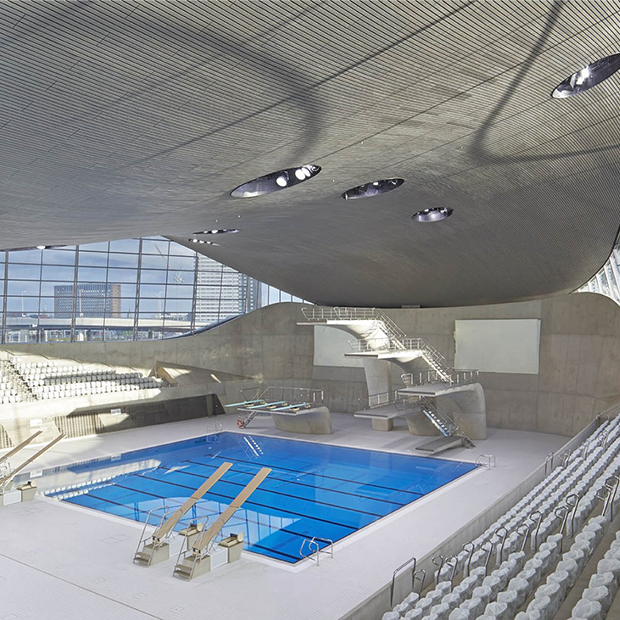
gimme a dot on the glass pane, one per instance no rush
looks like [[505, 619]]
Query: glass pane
[[91, 274], [57, 273], [58, 257], [180, 250], [25, 256], [125, 245], [153, 277], [152, 305], [21, 287], [154, 262], [123, 275], [22, 305], [181, 277], [96, 247], [183, 306], [150, 319], [155, 247], [180, 291], [1, 271], [127, 306], [128, 290], [24, 272], [152, 290], [93, 259], [186, 263], [123, 260], [56, 289]]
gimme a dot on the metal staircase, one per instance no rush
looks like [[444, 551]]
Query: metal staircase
[[444, 423], [388, 337]]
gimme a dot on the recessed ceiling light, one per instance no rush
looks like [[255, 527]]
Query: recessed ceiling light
[[433, 215], [202, 242], [587, 77], [36, 247], [375, 188], [221, 231], [276, 181]]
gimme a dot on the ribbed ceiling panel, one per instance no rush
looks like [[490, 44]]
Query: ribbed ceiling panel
[[131, 118]]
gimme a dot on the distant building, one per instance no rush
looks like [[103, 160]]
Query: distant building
[[222, 292], [89, 300]]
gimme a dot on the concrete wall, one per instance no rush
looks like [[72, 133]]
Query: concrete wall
[[578, 376]]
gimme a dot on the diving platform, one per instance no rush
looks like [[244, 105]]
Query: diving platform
[[155, 548], [203, 555], [295, 410]]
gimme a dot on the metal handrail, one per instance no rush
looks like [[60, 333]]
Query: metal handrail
[[491, 462], [423, 377], [439, 566], [420, 570], [466, 567], [392, 397], [549, 462], [413, 571], [312, 542], [167, 510], [272, 392]]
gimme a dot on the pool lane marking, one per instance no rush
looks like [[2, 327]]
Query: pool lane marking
[[295, 482], [302, 499], [369, 484], [253, 503], [247, 520]]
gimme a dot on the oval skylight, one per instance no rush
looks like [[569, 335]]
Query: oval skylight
[[368, 190], [276, 181], [587, 77], [219, 231], [202, 241], [434, 214]]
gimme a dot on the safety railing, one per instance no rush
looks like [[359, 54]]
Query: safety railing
[[393, 397], [454, 377], [273, 393], [338, 314]]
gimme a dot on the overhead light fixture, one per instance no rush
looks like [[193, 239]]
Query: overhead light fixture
[[276, 181], [221, 231], [35, 247], [586, 78], [435, 214], [368, 190], [202, 242]]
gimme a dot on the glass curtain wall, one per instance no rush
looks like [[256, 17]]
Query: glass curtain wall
[[134, 289], [607, 280]]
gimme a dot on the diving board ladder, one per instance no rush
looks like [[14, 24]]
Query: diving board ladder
[[155, 548], [199, 559]]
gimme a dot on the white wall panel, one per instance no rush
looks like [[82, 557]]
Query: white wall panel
[[509, 345]]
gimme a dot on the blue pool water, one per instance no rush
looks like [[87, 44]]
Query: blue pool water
[[313, 489]]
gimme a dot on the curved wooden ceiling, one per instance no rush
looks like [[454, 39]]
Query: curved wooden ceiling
[[121, 119]]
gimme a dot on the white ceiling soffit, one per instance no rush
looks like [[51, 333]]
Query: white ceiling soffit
[[121, 119]]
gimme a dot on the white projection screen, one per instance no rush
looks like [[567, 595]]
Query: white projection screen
[[502, 345]]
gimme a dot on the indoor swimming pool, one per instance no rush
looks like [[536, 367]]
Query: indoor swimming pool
[[313, 490]]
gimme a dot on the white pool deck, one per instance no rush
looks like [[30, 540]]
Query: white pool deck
[[59, 561]]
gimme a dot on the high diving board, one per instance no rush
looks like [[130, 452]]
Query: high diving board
[[156, 549], [191, 561], [23, 444]]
